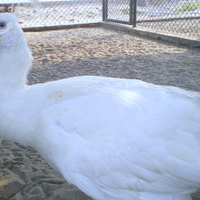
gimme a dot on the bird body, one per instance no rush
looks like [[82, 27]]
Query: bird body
[[114, 138]]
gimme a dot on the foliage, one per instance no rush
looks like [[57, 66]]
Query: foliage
[[188, 6], [91, 14], [126, 11]]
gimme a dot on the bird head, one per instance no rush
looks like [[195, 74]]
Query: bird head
[[10, 32], [15, 57]]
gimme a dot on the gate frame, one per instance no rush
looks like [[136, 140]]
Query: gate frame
[[132, 13]]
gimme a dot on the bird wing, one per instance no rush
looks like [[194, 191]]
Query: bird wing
[[127, 140]]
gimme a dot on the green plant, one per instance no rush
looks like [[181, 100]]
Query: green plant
[[91, 14], [126, 10], [188, 6], [140, 12]]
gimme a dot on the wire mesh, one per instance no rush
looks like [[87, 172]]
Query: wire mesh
[[50, 13], [180, 17], [118, 10]]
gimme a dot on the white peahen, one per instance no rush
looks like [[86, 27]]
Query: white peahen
[[114, 138]]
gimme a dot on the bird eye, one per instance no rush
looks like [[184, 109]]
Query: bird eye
[[2, 25]]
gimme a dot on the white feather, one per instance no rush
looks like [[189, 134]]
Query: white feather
[[114, 138]]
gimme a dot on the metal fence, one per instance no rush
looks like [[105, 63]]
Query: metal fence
[[118, 11], [173, 16], [181, 17], [51, 13]]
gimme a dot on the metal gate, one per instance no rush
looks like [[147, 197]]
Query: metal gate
[[120, 11]]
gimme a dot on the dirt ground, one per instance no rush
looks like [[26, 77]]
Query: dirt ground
[[88, 51]]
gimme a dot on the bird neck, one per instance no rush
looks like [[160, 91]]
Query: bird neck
[[15, 62]]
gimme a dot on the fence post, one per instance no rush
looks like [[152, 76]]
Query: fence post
[[104, 10], [131, 12], [134, 13]]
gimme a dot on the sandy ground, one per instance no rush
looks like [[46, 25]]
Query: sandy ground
[[90, 51]]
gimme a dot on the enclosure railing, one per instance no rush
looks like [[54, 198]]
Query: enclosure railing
[[180, 17], [52, 12], [173, 16]]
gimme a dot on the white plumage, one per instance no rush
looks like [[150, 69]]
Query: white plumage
[[114, 138]]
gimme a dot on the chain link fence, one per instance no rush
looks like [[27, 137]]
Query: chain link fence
[[118, 11], [32, 13], [177, 17], [180, 17]]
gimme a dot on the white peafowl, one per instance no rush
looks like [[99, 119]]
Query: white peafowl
[[115, 139]]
